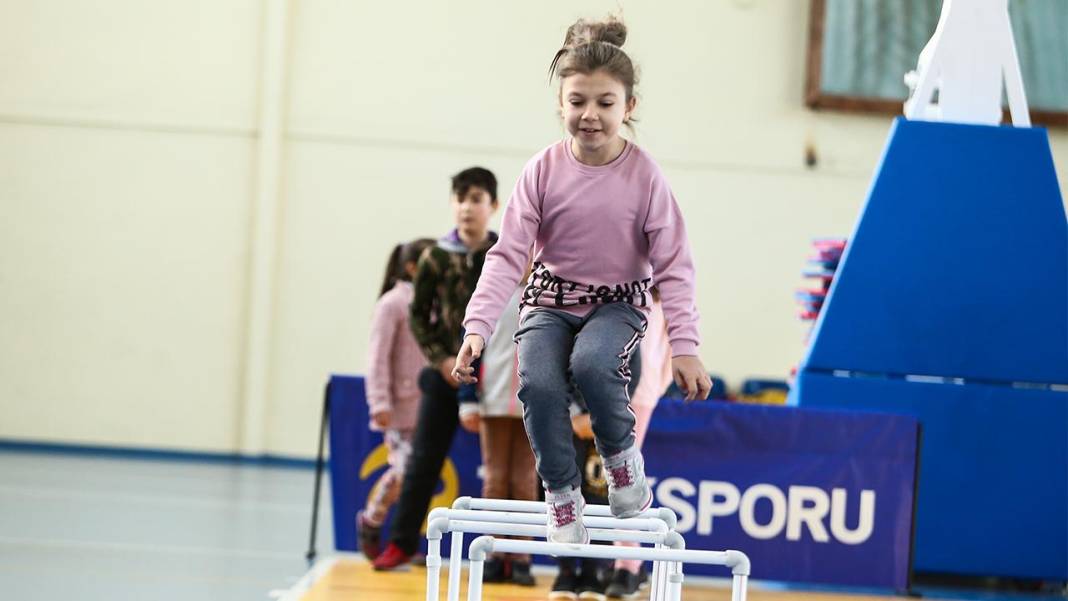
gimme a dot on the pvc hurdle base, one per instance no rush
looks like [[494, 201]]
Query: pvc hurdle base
[[736, 560], [658, 578], [527, 518], [652, 531]]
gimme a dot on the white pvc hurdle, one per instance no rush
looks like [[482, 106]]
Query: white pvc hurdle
[[661, 513], [459, 521], [658, 578], [527, 518], [736, 560]]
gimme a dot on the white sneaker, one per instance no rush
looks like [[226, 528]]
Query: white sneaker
[[628, 491], [564, 517]]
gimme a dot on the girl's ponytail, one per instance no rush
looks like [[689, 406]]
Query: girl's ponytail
[[394, 270]]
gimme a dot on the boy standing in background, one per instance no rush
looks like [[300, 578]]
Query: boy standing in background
[[444, 281]]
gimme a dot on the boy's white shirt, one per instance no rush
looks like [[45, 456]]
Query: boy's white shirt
[[495, 391]]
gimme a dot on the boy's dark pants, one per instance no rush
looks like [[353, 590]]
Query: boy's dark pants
[[434, 432]]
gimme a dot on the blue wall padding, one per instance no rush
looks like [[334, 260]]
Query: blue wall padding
[[959, 264], [958, 268], [993, 486]]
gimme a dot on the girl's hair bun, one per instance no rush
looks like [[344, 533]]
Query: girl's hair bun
[[610, 31], [596, 45]]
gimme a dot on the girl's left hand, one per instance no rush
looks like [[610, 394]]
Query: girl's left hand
[[691, 377]]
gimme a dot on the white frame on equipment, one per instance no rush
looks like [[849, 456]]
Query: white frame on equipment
[[736, 560], [527, 518]]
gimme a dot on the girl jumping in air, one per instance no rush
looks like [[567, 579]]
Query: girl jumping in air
[[604, 227]]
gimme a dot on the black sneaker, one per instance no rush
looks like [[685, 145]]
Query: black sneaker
[[493, 571], [565, 586], [591, 586], [521, 574], [625, 584]]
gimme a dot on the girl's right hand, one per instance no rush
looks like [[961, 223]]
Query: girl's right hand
[[471, 350], [382, 418]]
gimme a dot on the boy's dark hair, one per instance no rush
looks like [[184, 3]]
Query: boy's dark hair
[[475, 176]]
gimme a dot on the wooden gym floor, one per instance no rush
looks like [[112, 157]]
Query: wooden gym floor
[[351, 578]]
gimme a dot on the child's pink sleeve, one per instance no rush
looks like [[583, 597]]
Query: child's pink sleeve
[[673, 268], [385, 322], [507, 260]]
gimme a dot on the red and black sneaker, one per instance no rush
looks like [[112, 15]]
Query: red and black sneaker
[[393, 557], [370, 537]]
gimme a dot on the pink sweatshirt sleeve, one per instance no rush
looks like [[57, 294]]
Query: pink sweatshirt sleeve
[[507, 260], [673, 268], [384, 325]]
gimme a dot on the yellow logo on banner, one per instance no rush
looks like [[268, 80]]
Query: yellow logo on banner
[[379, 458]]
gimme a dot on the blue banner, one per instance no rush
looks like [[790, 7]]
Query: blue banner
[[810, 495], [358, 458]]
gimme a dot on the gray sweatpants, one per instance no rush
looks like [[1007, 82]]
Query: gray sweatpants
[[558, 352]]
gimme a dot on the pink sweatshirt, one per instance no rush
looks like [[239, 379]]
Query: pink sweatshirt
[[599, 234], [395, 360]]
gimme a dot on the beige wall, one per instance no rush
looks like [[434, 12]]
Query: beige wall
[[128, 162]]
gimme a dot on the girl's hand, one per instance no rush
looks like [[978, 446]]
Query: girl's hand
[[382, 418], [445, 369], [471, 350], [470, 422], [691, 377], [582, 426]]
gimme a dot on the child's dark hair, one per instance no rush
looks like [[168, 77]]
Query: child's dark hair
[[475, 176], [596, 45], [402, 255]]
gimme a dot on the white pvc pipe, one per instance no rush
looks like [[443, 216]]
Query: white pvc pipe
[[736, 560], [663, 513], [531, 524], [629, 524], [474, 584], [720, 558], [606, 534], [455, 553], [503, 517], [674, 591], [738, 587], [433, 568], [663, 572], [658, 592], [660, 573]]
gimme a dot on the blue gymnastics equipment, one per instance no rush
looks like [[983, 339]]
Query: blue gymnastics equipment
[[951, 304]]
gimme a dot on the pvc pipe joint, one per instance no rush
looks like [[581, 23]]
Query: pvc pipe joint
[[479, 548], [738, 562]]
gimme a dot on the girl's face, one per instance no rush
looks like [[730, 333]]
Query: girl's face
[[594, 107]]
